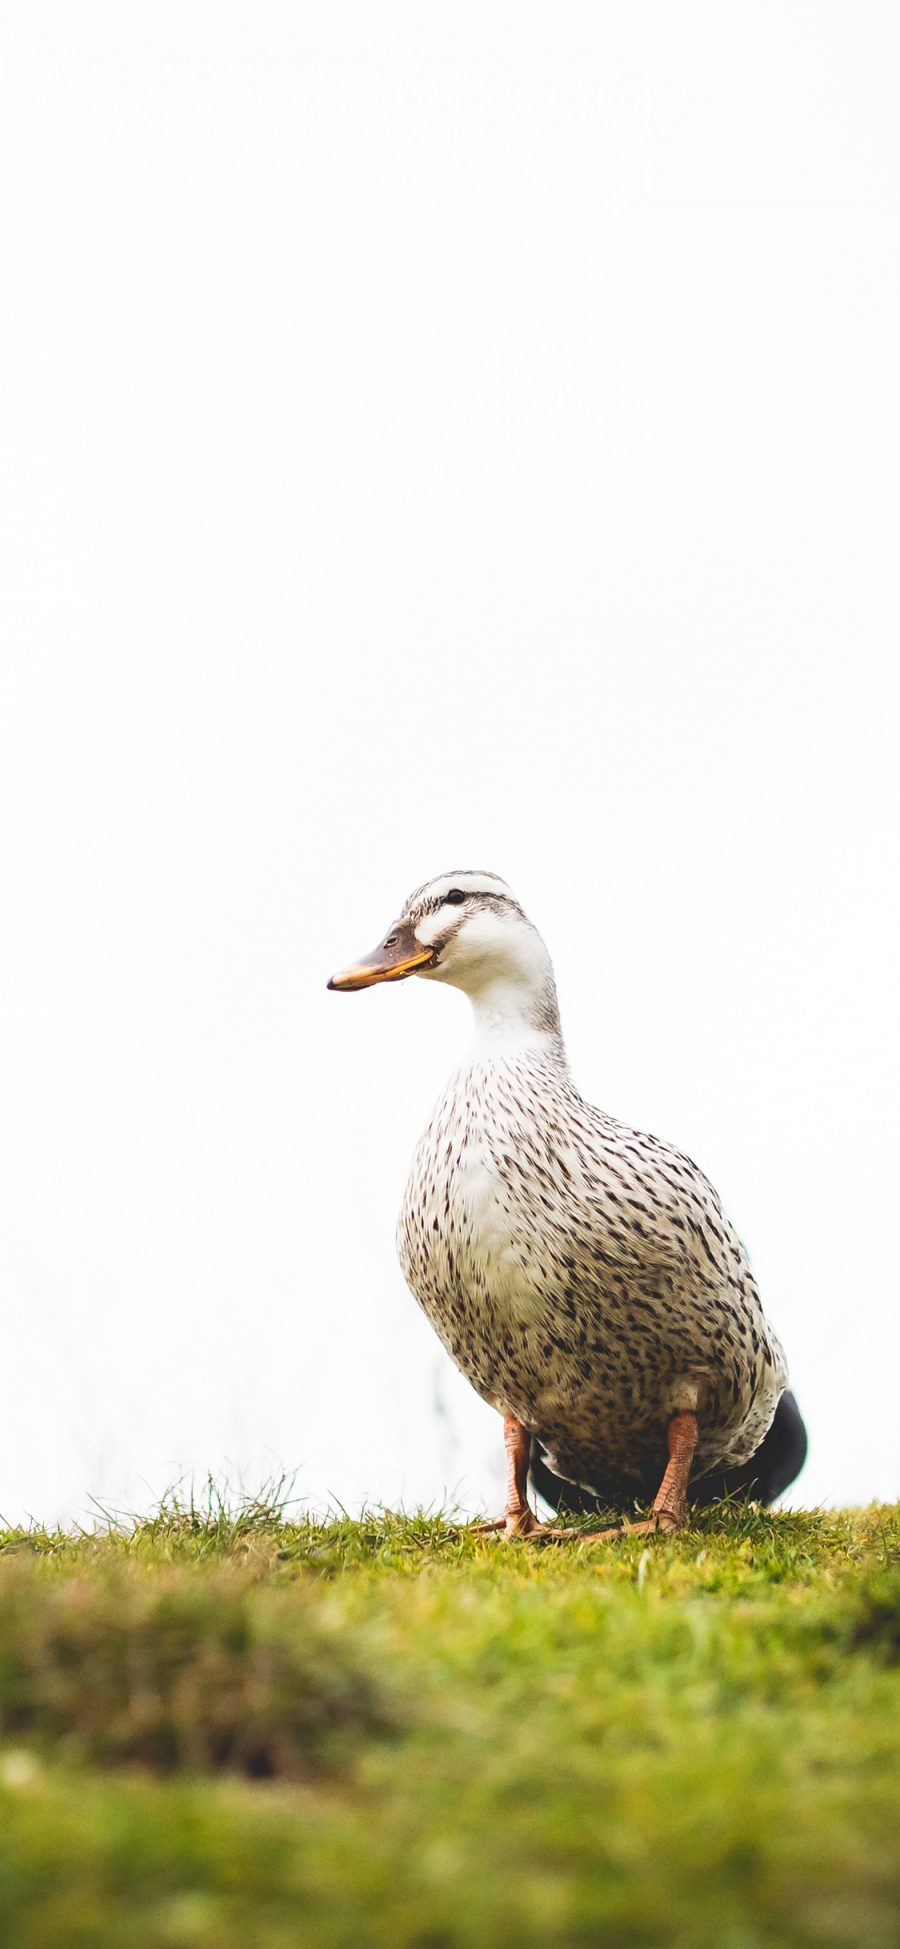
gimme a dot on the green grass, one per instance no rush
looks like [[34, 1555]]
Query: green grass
[[223, 1728]]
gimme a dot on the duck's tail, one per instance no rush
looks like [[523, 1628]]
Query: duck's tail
[[776, 1464]]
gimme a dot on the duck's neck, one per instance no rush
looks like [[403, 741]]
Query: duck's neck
[[513, 1017]]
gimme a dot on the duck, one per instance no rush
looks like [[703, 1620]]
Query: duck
[[581, 1274]]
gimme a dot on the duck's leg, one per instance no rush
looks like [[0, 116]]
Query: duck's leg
[[517, 1519], [670, 1503]]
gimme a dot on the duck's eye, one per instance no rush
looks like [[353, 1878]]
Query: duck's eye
[[454, 898]]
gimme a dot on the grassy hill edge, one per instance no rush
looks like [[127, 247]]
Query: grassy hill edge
[[219, 1721]]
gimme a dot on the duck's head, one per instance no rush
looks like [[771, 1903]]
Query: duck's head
[[467, 929]]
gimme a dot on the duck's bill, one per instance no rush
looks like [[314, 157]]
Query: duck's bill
[[398, 956]]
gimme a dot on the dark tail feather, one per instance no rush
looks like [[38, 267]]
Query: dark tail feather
[[777, 1462]]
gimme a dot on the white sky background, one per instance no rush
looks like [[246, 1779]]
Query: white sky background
[[432, 437]]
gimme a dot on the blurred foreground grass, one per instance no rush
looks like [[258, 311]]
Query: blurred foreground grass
[[225, 1729]]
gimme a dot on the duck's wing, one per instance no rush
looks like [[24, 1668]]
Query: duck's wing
[[649, 1205]]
